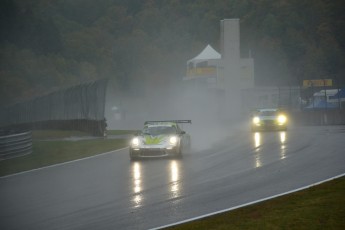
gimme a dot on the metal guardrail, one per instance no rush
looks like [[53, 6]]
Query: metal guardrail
[[15, 145]]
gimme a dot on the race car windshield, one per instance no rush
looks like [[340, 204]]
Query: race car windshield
[[159, 130], [268, 113]]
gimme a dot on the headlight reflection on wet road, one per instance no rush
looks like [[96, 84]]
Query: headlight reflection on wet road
[[258, 143], [257, 140], [174, 184], [171, 179], [282, 136], [137, 184]]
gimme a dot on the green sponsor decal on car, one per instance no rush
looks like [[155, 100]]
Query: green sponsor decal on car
[[149, 140]]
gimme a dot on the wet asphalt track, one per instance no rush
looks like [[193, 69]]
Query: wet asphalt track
[[110, 192]]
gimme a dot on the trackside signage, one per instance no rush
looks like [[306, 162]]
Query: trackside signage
[[317, 82]]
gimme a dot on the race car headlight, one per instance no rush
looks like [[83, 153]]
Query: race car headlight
[[256, 120], [173, 140], [282, 119], [135, 141]]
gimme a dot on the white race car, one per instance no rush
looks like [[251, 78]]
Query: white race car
[[269, 119], [160, 139]]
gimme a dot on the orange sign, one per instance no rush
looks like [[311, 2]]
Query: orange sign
[[317, 82]]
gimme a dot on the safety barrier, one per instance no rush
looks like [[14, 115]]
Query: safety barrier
[[319, 117], [14, 145]]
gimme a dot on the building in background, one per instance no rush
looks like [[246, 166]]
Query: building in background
[[222, 75], [225, 70]]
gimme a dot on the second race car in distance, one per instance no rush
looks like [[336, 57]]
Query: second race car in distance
[[160, 139], [269, 119]]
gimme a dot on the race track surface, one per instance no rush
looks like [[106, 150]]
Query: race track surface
[[110, 192]]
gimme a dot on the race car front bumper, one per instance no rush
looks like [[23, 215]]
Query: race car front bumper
[[268, 125], [151, 151]]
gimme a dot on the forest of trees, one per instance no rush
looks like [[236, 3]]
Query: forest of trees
[[46, 45]]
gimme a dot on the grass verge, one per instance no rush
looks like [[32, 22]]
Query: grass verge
[[320, 207], [49, 149]]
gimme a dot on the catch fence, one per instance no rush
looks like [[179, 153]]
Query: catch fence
[[80, 107]]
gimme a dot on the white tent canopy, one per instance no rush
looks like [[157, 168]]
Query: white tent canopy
[[207, 54]]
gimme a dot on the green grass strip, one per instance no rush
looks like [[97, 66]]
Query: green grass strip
[[318, 208], [49, 152]]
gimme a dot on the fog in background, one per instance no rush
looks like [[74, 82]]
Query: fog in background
[[49, 45], [143, 47], [173, 102]]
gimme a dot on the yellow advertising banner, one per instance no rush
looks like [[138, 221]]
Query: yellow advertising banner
[[317, 82], [202, 71]]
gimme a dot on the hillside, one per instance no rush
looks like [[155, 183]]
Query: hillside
[[50, 44]]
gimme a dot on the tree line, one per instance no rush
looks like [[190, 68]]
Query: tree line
[[47, 45]]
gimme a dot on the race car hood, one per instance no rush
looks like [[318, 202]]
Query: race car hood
[[265, 118], [155, 140]]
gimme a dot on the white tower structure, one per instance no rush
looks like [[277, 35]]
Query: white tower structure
[[238, 74], [230, 49], [226, 72]]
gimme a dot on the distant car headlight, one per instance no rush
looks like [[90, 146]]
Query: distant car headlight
[[173, 140], [256, 120], [135, 141], [282, 119]]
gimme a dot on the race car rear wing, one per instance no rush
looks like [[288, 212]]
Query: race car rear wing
[[172, 121]]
